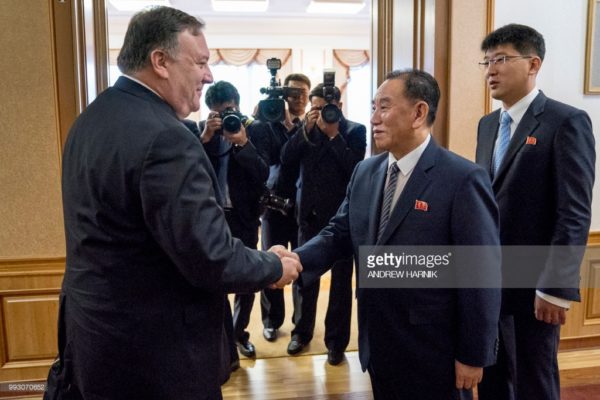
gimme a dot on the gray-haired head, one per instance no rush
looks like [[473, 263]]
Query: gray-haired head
[[151, 29]]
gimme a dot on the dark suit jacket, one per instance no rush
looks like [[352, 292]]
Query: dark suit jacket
[[418, 333], [325, 170], [247, 173], [269, 138], [544, 191], [149, 254]]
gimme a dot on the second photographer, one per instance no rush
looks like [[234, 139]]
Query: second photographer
[[326, 151]]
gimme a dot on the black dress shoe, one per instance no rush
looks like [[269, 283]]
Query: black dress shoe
[[246, 348], [335, 357], [295, 346], [270, 334]]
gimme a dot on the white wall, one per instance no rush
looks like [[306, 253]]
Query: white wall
[[563, 24]]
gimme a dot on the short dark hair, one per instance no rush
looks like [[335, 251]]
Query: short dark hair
[[419, 86], [154, 28], [524, 39], [221, 92], [318, 92], [297, 77]]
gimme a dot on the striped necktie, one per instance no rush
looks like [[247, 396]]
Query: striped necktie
[[388, 196]]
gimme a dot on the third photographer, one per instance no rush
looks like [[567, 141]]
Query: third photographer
[[326, 150]]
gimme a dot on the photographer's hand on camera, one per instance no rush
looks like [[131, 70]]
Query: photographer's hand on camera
[[329, 130], [213, 124], [311, 119], [239, 138]]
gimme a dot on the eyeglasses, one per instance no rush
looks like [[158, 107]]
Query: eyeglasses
[[485, 64]]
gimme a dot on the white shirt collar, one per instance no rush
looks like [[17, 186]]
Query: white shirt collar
[[409, 161], [143, 84], [518, 110]]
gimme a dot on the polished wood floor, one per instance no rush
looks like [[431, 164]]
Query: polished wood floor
[[311, 378]]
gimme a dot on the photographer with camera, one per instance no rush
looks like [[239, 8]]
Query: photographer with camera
[[241, 174], [326, 152], [279, 229]]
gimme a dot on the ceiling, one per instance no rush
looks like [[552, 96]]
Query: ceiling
[[277, 9]]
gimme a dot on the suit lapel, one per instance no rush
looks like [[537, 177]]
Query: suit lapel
[[415, 185], [487, 139], [525, 128], [376, 193]]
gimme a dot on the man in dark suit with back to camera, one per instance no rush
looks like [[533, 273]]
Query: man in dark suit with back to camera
[[325, 151], [540, 155], [242, 174], [149, 253], [428, 343]]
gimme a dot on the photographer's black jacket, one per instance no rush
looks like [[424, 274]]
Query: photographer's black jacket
[[247, 173], [325, 169], [269, 139]]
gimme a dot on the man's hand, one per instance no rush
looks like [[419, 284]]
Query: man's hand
[[330, 130], [311, 119], [291, 269], [239, 138], [213, 124], [548, 312], [467, 377], [283, 252]]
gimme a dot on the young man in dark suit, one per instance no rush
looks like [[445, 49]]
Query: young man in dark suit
[[325, 152], [426, 344], [149, 253], [540, 154], [242, 174]]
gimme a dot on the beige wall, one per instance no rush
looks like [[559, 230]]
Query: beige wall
[[31, 224], [466, 89]]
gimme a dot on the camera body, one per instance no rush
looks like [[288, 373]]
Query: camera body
[[277, 203], [272, 109], [330, 113], [232, 120]]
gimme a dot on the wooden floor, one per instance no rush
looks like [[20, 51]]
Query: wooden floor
[[311, 378], [303, 377]]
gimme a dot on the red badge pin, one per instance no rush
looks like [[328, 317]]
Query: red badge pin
[[531, 140], [421, 205]]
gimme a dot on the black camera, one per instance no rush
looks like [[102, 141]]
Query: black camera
[[330, 112], [277, 203], [272, 109], [232, 120]]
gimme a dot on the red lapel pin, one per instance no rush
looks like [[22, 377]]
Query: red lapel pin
[[531, 140], [421, 205]]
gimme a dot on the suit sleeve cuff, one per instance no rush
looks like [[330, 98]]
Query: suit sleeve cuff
[[557, 301]]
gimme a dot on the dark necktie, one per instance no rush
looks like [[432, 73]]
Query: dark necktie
[[388, 196], [503, 140]]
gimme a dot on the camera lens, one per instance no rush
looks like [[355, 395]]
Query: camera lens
[[331, 113], [232, 123], [271, 110]]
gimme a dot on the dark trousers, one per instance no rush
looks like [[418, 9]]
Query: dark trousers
[[276, 229], [242, 305], [339, 308], [527, 366], [389, 386]]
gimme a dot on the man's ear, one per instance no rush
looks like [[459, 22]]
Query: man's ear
[[536, 64], [159, 60], [340, 105], [421, 111]]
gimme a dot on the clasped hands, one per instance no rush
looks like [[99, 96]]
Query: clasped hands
[[290, 264]]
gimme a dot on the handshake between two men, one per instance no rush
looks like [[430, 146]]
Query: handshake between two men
[[290, 265]]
